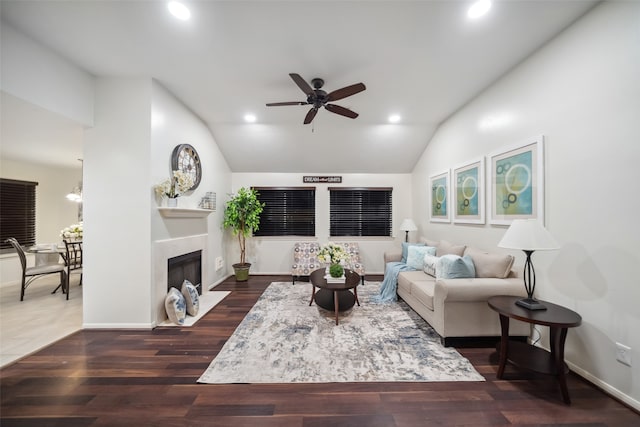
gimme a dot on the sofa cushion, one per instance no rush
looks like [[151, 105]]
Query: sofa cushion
[[455, 267], [405, 250], [415, 256], [447, 248], [430, 262], [490, 265], [428, 242], [423, 290]]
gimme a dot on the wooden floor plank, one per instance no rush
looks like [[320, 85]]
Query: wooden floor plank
[[138, 377]]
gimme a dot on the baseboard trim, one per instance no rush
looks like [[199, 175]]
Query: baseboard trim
[[607, 388], [216, 283]]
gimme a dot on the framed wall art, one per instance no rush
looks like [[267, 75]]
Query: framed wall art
[[516, 186], [468, 192], [439, 197]]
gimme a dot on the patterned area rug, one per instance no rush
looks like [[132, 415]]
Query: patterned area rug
[[284, 340]]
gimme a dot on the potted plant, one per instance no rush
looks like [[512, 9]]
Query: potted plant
[[242, 215]]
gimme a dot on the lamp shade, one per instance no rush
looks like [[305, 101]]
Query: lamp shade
[[528, 234], [408, 225]]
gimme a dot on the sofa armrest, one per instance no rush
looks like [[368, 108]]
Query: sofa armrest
[[477, 289], [392, 256]]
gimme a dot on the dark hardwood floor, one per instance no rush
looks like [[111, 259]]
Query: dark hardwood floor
[[144, 378]]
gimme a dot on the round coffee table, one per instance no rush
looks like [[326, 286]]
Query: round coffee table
[[334, 296]]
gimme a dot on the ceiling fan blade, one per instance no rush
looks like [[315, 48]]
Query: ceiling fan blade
[[341, 110], [279, 104], [310, 115], [302, 84], [346, 91]]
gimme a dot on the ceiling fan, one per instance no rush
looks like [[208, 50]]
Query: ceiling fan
[[319, 98]]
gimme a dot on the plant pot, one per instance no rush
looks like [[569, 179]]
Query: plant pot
[[172, 202], [242, 271]]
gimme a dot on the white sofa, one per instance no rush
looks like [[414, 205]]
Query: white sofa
[[457, 308]]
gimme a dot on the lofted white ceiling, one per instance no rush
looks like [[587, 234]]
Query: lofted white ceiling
[[422, 60]]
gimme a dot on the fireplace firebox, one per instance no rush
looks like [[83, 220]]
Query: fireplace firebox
[[187, 266]]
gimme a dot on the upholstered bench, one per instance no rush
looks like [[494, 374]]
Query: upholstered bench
[[354, 263], [305, 259]]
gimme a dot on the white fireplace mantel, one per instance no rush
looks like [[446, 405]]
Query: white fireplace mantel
[[184, 212]]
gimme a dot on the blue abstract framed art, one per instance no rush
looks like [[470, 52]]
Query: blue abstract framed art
[[468, 192], [439, 197], [516, 184]]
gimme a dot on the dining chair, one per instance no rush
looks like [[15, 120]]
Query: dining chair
[[29, 274], [73, 261]]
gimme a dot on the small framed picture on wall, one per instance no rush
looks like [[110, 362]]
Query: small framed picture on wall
[[468, 192], [516, 187], [439, 197]]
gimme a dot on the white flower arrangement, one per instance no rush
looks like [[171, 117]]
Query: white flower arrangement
[[332, 254], [175, 186], [74, 231]]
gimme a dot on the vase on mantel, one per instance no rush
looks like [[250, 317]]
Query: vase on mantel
[[172, 202]]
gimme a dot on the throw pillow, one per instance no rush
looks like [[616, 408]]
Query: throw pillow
[[455, 267], [175, 305], [415, 256], [490, 265], [430, 262], [191, 297], [446, 248], [405, 248]]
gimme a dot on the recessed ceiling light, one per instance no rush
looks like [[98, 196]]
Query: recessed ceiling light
[[179, 10], [478, 9], [249, 118], [394, 118]]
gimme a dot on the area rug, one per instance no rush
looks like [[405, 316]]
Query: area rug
[[208, 300], [284, 340]]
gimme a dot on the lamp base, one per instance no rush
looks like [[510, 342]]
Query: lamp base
[[531, 304]]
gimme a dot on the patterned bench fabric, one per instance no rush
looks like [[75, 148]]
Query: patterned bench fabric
[[305, 259], [354, 262]]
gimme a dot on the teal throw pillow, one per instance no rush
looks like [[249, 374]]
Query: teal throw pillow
[[455, 267], [405, 248], [415, 255]]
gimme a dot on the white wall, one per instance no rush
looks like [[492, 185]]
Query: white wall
[[34, 73], [582, 91], [173, 124], [274, 255], [53, 210], [117, 202]]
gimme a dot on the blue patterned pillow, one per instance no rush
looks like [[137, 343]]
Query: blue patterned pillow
[[176, 307], [415, 255], [455, 267], [191, 297], [405, 248]]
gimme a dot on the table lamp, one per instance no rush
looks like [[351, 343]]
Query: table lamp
[[528, 235], [407, 226]]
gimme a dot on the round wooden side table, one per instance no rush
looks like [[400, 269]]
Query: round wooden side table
[[559, 319]]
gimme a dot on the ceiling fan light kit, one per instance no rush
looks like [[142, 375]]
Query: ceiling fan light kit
[[318, 98]]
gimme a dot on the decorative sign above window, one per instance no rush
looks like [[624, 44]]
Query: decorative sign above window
[[320, 179]]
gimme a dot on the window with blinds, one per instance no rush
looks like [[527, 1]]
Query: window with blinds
[[288, 211], [17, 212], [360, 211]]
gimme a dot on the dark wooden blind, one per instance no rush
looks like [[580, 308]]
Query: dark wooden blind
[[360, 211], [17, 212], [288, 211]]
